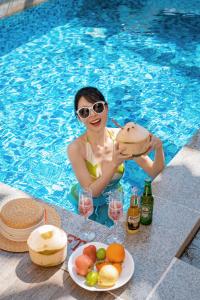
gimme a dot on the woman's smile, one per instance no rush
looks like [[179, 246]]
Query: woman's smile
[[96, 122]]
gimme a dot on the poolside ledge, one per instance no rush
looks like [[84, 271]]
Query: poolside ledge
[[159, 273]]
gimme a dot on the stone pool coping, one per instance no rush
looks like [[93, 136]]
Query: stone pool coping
[[159, 274]]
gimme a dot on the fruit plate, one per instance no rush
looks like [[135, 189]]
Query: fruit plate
[[128, 267]]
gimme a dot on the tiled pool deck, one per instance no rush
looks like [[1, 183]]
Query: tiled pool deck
[[159, 274]]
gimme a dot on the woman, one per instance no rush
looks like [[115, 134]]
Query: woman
[[95, 157]]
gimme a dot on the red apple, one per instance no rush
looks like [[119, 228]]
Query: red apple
[[91, 251]]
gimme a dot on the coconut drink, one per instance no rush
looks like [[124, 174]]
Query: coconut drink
[[133, 139], [47, 246]]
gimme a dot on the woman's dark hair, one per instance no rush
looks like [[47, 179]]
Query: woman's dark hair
[[91, 94]]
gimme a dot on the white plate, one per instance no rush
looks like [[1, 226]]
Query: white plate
[[128, 267]]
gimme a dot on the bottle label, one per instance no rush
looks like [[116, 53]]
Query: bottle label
[[145, 211], [133, 222]]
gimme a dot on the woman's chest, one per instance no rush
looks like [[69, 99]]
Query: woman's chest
[[99, 153]]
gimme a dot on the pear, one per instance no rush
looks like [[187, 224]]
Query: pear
[[108, 275]]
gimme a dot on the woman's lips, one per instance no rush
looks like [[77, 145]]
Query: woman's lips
[[96, 122]]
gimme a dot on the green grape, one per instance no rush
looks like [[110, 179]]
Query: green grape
[[92, 278], [101, 254]]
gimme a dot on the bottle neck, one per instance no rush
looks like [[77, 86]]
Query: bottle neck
[[134, 201], [147, 190]]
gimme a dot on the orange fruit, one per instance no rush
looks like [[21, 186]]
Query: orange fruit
[[118, 266], [115, 253]]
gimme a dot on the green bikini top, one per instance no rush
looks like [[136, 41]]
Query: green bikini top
[[94, 167]]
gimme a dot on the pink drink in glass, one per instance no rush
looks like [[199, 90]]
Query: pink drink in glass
[[85, 207], [115, 210]]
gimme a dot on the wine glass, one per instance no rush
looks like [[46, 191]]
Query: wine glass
[[85, 207], [115, 212]]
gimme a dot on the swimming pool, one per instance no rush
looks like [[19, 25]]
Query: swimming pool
[[144, 57]]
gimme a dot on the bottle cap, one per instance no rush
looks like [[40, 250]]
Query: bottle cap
[[148, 180]]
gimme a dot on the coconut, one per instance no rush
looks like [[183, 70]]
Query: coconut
[[133, 139], [47, 245]]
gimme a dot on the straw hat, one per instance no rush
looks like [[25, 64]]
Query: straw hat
[[19, 217]]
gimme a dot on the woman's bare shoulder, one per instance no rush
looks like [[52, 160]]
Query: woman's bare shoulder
[[76, 146]]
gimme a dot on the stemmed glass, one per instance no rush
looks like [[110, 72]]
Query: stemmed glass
[[85, 206], [115, 212]]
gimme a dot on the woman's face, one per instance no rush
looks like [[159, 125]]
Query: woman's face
[[95, 121]]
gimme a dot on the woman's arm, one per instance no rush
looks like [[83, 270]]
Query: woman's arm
[[153, 167], [79, 166], [108, 170]]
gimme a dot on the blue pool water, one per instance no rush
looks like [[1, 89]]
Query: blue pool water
[[143, 55]]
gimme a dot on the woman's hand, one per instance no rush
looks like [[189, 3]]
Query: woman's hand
[[155, 144], [152, 167], [111, 156], [118, 158]]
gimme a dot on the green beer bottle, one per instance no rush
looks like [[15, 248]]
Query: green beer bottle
[[147, 204]]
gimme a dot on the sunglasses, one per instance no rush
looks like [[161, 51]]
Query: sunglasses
[[85, 112]]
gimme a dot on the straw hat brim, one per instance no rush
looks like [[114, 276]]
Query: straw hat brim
[[52, 218]]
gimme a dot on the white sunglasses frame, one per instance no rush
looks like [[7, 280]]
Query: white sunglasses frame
[[91, 109]]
